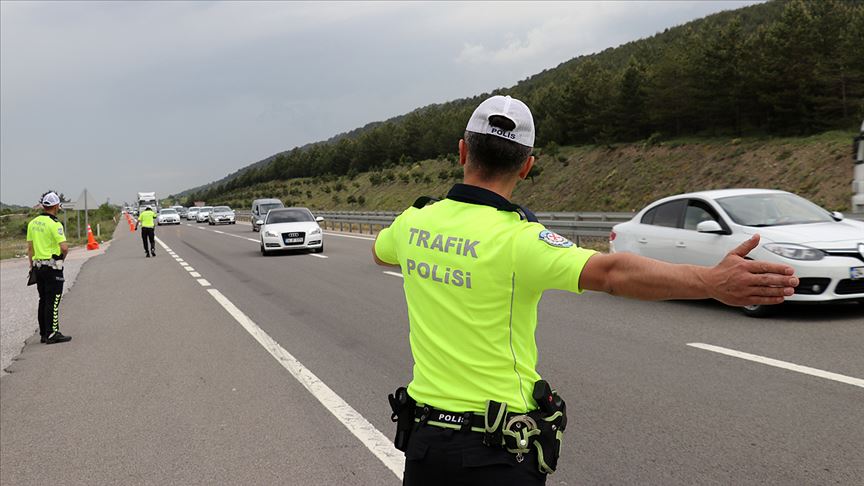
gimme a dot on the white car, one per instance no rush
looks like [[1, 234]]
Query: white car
[[221, 215], [168, 216], [826, 250], [203, 213], [291, 229], [192, 214]]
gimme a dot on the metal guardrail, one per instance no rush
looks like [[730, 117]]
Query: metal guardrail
[[572, 225]]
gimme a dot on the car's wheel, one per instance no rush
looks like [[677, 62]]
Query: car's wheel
[[759, 310], [263, 251]]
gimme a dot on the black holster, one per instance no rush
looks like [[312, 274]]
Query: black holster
[[403, 414]]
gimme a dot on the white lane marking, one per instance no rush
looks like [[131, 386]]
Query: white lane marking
[[188, 268], [781, 364], [183, 264], [351, 236], [203, 282], [395, 274], [180, 261], [220, 232], [317, 256], [196, 275], [374, 440]]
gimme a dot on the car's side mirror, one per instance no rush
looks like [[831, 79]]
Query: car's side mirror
[[837, 215], [319, 219], [709, 226]]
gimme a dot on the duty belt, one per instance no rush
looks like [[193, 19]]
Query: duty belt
[[464, 421], [55, 264]]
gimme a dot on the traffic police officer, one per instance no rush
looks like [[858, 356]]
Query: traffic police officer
[[148, 231], [475, 266], [46, 250]]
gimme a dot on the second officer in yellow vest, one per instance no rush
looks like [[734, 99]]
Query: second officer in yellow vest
[[46, 250]]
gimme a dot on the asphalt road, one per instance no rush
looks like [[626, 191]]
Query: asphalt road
[[162, 384]]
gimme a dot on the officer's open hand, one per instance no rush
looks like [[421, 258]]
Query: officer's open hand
[[738, 281]]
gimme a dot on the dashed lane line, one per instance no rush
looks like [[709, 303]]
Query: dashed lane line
[[367, 238], [781, 364], [195, 274], [203, 282]]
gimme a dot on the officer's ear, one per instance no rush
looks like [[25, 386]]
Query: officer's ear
[[463, 152], [526, 167]]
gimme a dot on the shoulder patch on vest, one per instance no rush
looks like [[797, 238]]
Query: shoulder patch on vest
[[554, 239]]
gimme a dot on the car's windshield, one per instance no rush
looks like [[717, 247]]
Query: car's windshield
[[193, 210], [168, 211], [263, 208], [772, 209], [206, 209], [221, 209], [289, 216]]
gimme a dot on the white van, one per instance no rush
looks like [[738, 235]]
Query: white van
[[260, 207]]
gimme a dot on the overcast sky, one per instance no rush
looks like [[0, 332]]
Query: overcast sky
[[163, 96]]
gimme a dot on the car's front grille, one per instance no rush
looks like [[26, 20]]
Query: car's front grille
[[848, 286], [845, 253], [812, 286], [301, 235]]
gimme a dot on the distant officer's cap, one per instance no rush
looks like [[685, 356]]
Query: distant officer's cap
[[509, 108], [50, 199]]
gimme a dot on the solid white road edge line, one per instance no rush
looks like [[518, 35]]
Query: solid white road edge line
[[781, 364], [395, 274], [373, 439]]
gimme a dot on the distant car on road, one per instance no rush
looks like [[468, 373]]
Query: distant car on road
[[203, 213], [192, 214], [826, 250], [291, 229], [180, 210], [168, 216], [221, 215], [260, 207]]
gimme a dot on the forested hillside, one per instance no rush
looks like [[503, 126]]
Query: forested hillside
[[783, 68]]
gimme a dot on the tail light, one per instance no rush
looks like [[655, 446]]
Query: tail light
[[611, 236]]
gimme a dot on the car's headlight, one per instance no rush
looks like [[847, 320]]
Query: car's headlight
[[315, 232], [795, 252], [271, 234]]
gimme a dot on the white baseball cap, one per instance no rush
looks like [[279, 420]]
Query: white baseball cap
[[50, 199], [509, 108]]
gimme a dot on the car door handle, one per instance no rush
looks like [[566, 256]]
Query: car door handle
[[643, 240], [681, 244]]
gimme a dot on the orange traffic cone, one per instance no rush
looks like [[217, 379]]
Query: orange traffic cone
[[91, 242]]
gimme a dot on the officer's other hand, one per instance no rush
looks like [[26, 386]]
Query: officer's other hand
[[738, 281]]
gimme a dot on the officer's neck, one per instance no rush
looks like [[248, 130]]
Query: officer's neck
[[503, 186]]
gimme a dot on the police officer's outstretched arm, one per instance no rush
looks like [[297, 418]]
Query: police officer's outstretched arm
[[734, 281]]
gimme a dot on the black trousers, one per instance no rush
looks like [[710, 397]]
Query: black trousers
[[437, 456], [148, 236], [49, 283]]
